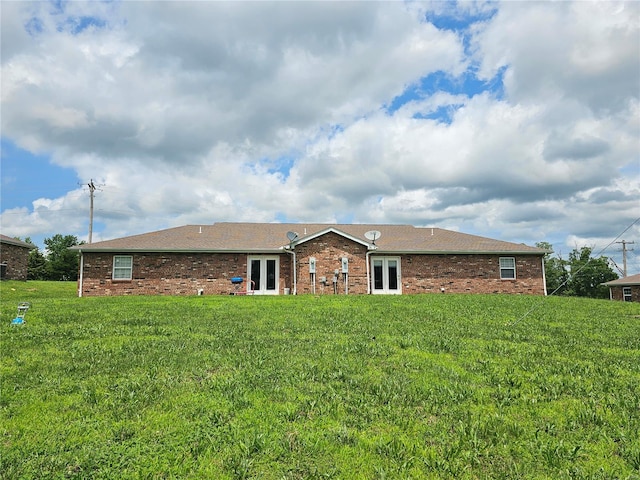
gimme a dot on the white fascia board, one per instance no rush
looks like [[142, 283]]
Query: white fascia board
[[455, 252], [177, 250], [331, 230], [615, 283]]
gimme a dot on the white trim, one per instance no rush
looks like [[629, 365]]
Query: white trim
[[330, 230], [456, 252], [501, 268], [263, 272], [273, 251], [385, 290], [113, 271]]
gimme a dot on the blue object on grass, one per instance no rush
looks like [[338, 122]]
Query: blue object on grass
[[23, 307]]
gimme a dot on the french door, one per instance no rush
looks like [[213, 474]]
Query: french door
[[386, 275], [264, 275]]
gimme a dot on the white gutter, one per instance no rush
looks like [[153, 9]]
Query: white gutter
[[457, 252], [81, 274]]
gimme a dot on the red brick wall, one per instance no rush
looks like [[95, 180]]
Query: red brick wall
[[616, 293], [170, 274], [420, 273], [469, 274], [328, 251], [16, 258], [184, 274]]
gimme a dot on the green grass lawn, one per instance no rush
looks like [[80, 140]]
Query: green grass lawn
[[363, 387]]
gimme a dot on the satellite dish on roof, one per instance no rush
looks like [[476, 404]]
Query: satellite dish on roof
[[372, 235], [292, 236]]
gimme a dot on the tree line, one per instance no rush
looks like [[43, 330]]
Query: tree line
[[57, 263], [579, 275]]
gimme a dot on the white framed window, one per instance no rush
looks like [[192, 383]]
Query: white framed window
[[386, 276], [122, 267], [264, 275], [626, 294], [507, 268]]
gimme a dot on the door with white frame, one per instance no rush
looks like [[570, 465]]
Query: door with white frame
[[263, 273], [386, 275]]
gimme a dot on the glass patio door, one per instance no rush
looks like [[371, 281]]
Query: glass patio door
[[264, 274], [386, 275]]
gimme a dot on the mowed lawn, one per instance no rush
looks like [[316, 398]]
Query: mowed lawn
[[362, 387]]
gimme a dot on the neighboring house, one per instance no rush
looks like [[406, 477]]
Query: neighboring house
[[272, 258], [14, 258], [626, 289]]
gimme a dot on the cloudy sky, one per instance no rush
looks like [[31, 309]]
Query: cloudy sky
[[516, 120]]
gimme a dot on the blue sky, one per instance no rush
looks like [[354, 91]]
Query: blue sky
[[514, 120], [27, 176]]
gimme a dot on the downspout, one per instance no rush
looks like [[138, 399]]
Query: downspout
[[366, 257], [81, 274], [544, 277], [295, 277]]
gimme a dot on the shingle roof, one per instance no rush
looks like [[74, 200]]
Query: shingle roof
[[623, 282], [272, 237], [13, 241]]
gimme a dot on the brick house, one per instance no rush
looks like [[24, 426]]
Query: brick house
[[273, 258], [14, 258], [626, 289]]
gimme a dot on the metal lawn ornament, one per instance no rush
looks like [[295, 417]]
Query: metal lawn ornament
[[22, 311]]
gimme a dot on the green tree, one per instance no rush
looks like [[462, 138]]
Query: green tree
[[555, 269], [36, 264], [62, 263], [588, 274]]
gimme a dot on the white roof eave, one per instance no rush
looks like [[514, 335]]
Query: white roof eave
[[330, 230]]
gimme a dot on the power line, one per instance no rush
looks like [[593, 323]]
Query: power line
[[616, 265], [573, 274], [41, 212], [131, 213]]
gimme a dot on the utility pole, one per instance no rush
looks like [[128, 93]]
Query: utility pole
[[92, 188], [624, 256]]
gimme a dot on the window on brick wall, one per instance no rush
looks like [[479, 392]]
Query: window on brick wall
[[122, 267], [626, 294], [507, 268]]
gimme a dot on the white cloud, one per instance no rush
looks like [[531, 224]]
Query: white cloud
[[165, 81], [204, 112], [587, 51]]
